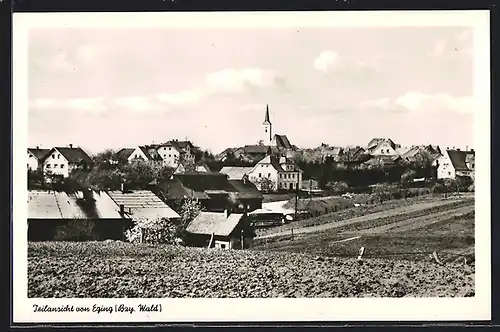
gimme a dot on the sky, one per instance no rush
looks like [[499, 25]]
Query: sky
[[111, 88]]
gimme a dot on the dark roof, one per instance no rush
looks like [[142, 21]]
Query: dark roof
[[174, 189], [244, 190], [266, 118], [74, 155], [255, 149], [199, 181], [282, 141], [459, 159], [39, 153], [124, 153]]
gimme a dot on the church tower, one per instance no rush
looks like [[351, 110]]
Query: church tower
[[267, 127]]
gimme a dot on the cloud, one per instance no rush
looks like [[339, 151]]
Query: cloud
[[136, 103], [418, 102], [460, 43], [181, 98], [234, 80], [96, 104], [327, 61]]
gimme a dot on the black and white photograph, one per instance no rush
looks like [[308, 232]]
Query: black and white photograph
[[226, 157]]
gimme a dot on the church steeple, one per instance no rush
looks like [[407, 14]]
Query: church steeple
[[266, 118], [267, 127]]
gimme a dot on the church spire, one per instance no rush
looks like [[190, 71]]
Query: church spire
[[266, 118]]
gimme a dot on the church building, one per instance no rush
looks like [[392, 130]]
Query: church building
[[279, 141]]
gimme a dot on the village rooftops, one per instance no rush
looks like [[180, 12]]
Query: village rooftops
[[44, 204], [217, 223]]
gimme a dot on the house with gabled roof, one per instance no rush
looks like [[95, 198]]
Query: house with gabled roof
[[220, 230], [454, 163], [141, 204], [276, 173], [382, 147], [214, 191], [62, 160], [36, 157], [170, 153]]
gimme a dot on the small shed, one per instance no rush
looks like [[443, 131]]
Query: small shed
[[223, 230]]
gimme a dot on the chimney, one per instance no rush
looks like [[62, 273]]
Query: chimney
[[466, 148], [37, 147], [122, 209], [71, 145], [471, 150]]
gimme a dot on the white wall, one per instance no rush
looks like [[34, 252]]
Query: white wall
[[384, 149], [445, 169], [32, 162], [56, 164], [263, 171]]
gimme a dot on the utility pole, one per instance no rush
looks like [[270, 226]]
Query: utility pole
[[296, 196]]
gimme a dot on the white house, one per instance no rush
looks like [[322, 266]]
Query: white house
[[283, 173], [382, 147], [36, 157], [62, 160], [453, 163], [169, 154]]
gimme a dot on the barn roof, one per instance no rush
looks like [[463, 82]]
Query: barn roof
[[459, 159], [142, 203], [216, 223], [283, 142], [235, 172], [44, 204], [125, 152]]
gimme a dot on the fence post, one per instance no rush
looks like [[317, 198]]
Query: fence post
[[361, 252]]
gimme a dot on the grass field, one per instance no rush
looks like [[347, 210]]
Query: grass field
[[409, 232], [116, 269]]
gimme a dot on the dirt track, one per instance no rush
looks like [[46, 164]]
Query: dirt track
[[373, 216]]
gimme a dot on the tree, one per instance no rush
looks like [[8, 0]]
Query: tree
[[189, 210], [450, 185], [337, 186], [265, 184], [408, 177], [152, 230]]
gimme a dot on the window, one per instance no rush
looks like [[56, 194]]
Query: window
[[48, 166], [58, 156], [268, 175], [53, 156], [222, 246], [260, 175], [169, 155], [449, 173], [62, 166], [293, 176]]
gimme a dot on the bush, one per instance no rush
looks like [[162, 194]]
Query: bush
[[152, 230], [75, 230], [438, 188]]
